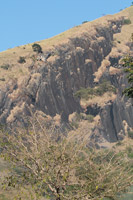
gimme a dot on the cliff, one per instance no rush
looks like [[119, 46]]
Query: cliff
[[79, 58]]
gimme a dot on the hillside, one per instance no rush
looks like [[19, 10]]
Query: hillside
[[85, 56]]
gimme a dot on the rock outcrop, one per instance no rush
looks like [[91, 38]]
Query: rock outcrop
[[52, 81]]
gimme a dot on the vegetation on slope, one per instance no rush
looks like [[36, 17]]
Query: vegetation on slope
[[128, 64], [11, 56], [46, 166], [86, 93], [51, 166]]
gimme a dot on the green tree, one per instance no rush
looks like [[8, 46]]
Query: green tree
[[128, 65], [37, 48]]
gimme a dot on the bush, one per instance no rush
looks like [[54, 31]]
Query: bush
[[127, 21], [37, 48], [130, 152], [130, 134], [84, 116], [86, 93], [119, 143], [21, 60], [128, 65], [84, 22], [6, 67]]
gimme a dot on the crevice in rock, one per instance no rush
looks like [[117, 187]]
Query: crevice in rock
[[113, 123]]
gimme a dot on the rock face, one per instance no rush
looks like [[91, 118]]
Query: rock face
[[53, 81], [113, 118]]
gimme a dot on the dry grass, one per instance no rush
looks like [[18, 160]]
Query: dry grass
[[114, 70], [105, 63], [99, 100], [120, 42], [11, 56], [126, 31]]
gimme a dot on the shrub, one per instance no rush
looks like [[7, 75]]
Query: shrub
[[84, 22], [37, 48], [90, 118], [74, 124], [21, 60], [119, 143], [6, 67], [130, 152], [86, 93], [128, 65], [105, 86], [130, 134], [83, 93], [84, 116], [127, 21]]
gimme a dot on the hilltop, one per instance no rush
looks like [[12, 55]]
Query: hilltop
[[11, 56]]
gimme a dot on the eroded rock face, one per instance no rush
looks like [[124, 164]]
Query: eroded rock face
[[53, 81], [112, 117], [116, 112]]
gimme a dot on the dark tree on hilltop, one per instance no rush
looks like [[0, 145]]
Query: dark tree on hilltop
[[37, 48]]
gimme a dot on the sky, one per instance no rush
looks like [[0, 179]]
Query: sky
[[27, 21]]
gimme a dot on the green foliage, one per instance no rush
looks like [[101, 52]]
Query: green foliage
[[84, 116], [127, 21], [21, 60], [37, 48], [74, 124], [2, 197], [119, 143], [128, 65], [84, 22], [130, 152], [86, 93], [128, 195], [6, 67], [90, 118], [81, 116], [130, 134]]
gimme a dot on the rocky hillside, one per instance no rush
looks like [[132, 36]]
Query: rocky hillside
[[85, 56]]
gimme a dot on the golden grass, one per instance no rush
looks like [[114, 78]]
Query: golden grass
[[105, 63], [114, 70], [17, 70], [99, 100], [120, 42]]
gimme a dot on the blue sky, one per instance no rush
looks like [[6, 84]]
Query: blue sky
[[27, 21]]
